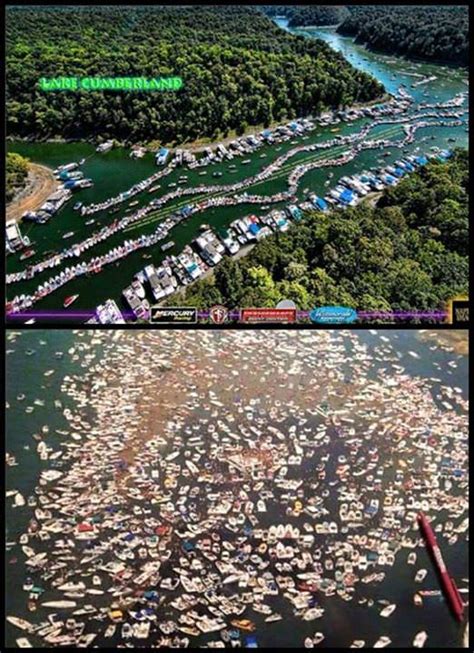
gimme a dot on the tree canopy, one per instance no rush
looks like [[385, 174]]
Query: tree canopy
[[238, 69], [16, 173], [409, 252], [438, 33]]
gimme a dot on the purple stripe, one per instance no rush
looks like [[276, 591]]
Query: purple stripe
[[232, 314]]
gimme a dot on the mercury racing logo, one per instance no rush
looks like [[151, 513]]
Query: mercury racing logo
[[173, 315]]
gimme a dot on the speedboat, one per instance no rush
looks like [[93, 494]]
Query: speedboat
[[387, 611], [420, 639], [126, 630], [69, 300], [318, 638], [417, 599], [382, 642], [28, 585], [110, 631], [20, 623], [59, 604], [420, 575], [28, 253]]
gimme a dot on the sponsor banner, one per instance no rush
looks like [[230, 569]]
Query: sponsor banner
[[173, 315], [333, 315], [268, 315]]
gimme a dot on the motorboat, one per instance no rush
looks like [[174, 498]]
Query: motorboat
[[382, 642], [420, 575], [420, 639], [69, 300], [387, 611]]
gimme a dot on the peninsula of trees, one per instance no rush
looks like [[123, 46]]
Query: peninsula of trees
[[410, 252], [238, 70], [16, 174]]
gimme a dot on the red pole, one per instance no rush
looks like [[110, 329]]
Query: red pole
[[447, 583]]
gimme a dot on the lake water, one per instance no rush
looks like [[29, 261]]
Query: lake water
[[342, 621], [115, 172]]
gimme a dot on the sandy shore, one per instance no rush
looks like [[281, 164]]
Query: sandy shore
[[41, 183]]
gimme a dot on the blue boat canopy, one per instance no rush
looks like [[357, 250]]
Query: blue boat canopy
[[254, 229], [346, 196], [321, 204]]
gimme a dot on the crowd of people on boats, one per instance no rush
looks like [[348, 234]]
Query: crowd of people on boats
[[192, 498]]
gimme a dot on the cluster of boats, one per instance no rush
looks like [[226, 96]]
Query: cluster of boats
[[50, 207], [189, 266], [108, 313], [176, 504], [126, 195], [194, 261], [351, 189], [210, 248], [346, 193]]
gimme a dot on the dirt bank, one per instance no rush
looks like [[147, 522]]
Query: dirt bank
[[40, 184]]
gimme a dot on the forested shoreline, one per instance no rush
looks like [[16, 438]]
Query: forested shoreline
[[410, 252], [238, 69], [436, 33], [301, 15], [431, 33]]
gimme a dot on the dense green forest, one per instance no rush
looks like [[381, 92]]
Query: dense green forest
[[438, 33], [16, 173], [238, 69], [308, 15], [410, 252]]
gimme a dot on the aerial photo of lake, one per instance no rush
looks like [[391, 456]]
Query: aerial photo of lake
[[236, 489]]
